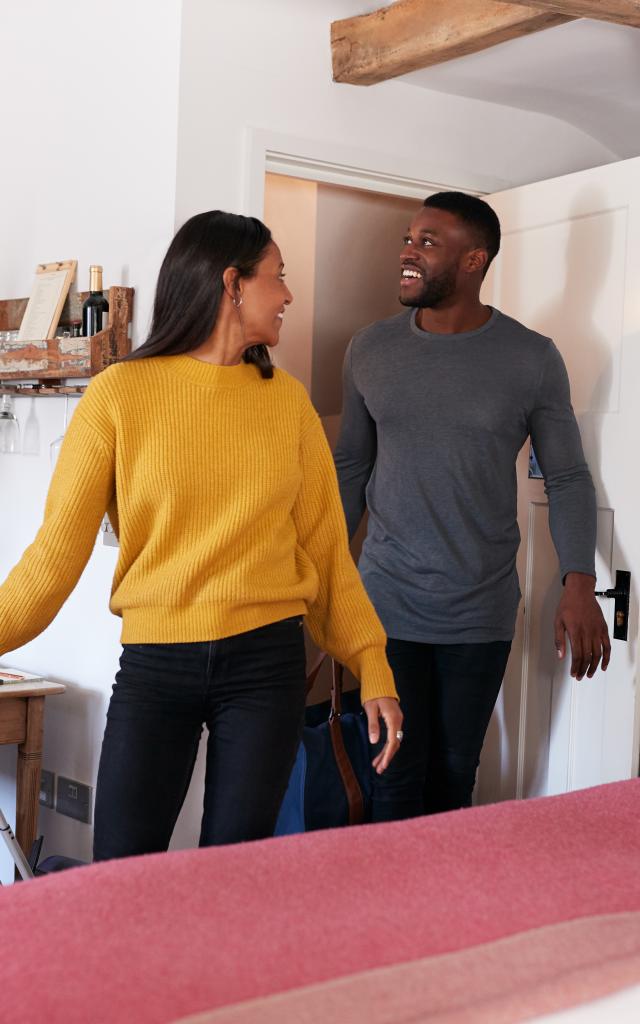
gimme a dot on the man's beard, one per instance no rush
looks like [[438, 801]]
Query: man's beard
[[434, 291]]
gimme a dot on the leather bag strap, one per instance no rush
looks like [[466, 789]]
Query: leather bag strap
[[352, 790], [350, 782]]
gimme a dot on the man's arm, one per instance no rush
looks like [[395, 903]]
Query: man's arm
[[572, 518], [355, 453]]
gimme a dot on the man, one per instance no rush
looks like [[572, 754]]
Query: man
[[438, 402]]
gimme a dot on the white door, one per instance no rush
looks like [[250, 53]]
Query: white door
[[569, 267]]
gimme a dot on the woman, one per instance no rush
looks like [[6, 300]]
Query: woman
[[218, 480]]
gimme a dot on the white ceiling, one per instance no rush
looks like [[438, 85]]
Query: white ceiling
[[585, 72]]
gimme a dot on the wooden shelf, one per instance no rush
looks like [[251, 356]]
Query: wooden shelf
[[43, 367]]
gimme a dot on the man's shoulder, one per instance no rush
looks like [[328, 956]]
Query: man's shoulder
[[381, 330], [520, 333]]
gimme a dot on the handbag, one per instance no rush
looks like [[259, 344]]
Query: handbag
[[330, 784]]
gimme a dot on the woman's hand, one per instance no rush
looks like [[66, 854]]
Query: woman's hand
[[388, 709]]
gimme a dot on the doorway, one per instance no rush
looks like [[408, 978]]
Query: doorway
[[340, 247]]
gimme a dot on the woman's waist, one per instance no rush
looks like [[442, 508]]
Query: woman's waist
[[158, 624]]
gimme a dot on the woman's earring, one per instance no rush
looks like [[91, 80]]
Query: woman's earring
[[237, 302]]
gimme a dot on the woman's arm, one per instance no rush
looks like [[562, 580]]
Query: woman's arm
[[80, 491], [342, 619]]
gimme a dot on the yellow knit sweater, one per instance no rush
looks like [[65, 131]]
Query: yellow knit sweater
[[221, 488]]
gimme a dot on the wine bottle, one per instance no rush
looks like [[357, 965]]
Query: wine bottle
[[95, 308]]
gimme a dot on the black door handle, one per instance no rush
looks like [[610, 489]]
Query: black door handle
[[620, 594]]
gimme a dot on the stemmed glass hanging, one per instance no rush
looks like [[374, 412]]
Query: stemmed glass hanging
[[55, 446], [31, 436], [9, 427]]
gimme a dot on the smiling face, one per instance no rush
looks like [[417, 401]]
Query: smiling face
[[264, 298], [438, 257]]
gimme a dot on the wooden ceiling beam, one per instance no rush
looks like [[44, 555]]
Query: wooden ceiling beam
[[413, 34], [623, 12]]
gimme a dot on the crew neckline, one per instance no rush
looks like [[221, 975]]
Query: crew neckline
[[214, 375], [435, 336]]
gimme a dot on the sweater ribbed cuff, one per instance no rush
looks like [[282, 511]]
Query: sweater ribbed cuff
[[371, 667]]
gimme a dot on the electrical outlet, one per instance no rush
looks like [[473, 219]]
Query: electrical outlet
[[108, 536], [47, 788], [74, 799]]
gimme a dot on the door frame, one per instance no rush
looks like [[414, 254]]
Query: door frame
[[326, 161]]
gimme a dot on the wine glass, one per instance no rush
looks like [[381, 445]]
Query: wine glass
[[55, 446], [9, 427], [31, 437]]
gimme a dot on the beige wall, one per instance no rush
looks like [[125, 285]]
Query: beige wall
[[290, 207], [357, 277], [340, 247]]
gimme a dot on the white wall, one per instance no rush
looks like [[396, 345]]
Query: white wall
[[89, 116]]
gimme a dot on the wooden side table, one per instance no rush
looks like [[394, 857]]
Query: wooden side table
[[22, 722]]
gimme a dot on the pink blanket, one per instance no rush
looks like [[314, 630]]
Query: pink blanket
[[157, 938], [541, 971]]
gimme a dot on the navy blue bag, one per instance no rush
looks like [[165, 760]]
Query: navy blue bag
[[330, 784]]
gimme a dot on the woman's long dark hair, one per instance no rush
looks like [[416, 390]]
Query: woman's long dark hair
[[190, 285]]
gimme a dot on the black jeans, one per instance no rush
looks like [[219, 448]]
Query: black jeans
[[447, 693], [248, 689]]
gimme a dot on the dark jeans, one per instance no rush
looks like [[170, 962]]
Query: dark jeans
[[447, 693], [248, 689]]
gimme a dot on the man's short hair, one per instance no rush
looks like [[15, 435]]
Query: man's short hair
[[474, 212]]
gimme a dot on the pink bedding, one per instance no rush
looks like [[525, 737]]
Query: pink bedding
[[513, 979], [160, 938]]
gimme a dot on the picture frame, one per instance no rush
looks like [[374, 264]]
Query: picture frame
[[48, 295]]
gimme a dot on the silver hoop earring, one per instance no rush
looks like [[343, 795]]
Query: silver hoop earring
[[237, 303]]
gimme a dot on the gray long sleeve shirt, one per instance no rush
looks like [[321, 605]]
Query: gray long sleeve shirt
[[432, 425]]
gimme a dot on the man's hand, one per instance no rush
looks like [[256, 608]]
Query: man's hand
[[388, 709], [580, 616]]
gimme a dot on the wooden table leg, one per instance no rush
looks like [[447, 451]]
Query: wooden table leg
[[28, 775]]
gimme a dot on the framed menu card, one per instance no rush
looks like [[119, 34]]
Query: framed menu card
[[50, 289]]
